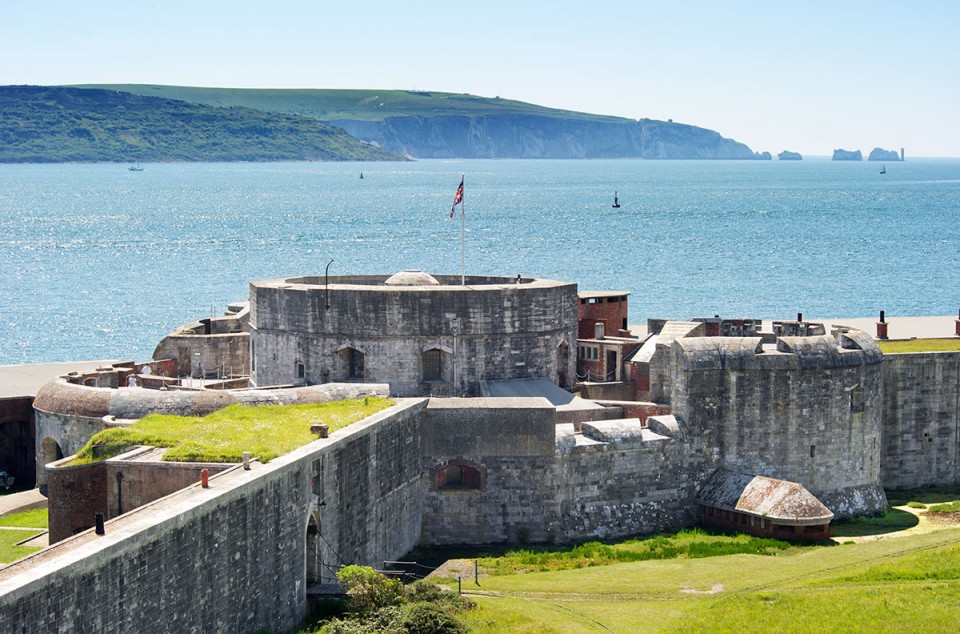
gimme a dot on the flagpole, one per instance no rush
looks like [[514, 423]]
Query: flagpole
[[463, 224]]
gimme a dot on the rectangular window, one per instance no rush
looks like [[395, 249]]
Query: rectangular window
[[813, 451], [301, 371]]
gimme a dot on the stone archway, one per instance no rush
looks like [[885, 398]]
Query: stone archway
[[50, 451], [314, 551], [563, 362]]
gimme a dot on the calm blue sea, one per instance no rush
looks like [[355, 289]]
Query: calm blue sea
[[101, 262]]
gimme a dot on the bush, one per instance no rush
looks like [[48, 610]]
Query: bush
[[426, 592], [426, 618], [369, 590]]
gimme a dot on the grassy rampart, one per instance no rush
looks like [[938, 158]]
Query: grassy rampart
[[266, 431]]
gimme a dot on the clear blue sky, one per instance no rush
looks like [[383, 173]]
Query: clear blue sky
[[808, 76]]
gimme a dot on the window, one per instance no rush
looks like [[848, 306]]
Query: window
[[301, 371], [856, 399], [432, 366], [813, 451], [460, 476]]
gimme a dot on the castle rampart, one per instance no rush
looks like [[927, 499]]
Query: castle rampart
[[806, 410], [421, 334], [238, 556], [921, 420]]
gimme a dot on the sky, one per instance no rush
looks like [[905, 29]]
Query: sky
[[808, 76]]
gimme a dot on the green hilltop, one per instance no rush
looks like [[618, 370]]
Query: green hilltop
[[425, 124], [65, 124], [366, 105]]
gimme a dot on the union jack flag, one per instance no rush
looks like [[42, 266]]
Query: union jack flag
[[457, 198]]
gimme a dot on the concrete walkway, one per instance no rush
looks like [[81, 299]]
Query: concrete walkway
[[22, 501]]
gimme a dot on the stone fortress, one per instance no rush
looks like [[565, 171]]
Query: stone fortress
[[711, 420]]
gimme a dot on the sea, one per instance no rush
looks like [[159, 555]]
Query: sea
[[100, 262]]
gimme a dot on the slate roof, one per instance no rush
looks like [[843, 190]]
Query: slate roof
[[779, 501]]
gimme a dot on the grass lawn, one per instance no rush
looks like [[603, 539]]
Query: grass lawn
[[9, 551], [896, 573], [886, 585], [266, 431], [920, 345], [34, 518]]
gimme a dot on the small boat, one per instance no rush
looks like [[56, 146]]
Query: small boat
[[135, 167], [361, 175], [883, 169], [616, 203]]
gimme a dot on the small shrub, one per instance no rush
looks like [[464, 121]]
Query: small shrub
[[426, 618], [369, 590], [916, 505]]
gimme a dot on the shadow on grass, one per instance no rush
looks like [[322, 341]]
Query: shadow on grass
[[923, 496], [892, 521]]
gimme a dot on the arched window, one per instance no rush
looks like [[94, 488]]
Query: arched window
[[432, 361]]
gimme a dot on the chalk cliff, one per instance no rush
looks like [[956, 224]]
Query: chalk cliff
[[847, 155], [879, 154], [536, 136]]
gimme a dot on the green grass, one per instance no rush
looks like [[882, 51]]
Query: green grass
[[920, 345], [265, 431], [9, 551], [891, 521], [694, 543], [362, 105], [34, 518], [886, 585], [924, 497], [949, 507]]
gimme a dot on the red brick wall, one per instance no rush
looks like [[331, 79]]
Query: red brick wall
[[75, 494], [740, 523], [612, 314]]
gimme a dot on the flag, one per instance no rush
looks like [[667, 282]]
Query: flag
[[457, 198]]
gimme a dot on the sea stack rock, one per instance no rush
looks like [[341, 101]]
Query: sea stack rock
[[763, 156], [879, 154], [847, 155], [787, 155]]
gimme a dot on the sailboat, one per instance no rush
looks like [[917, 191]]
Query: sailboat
[[616, 203], [883, 169], [135, 167]]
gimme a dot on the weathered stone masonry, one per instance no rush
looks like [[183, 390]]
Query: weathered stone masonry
[[921, 420], [232, 558]]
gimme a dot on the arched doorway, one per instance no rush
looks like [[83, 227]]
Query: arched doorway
[[314, 551], [563, 361], [352, 362], [49, 452]]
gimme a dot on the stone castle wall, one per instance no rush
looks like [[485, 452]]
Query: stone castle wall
[[235, 557], [539, 483], [809, 412], [505, 331], [921, 420]]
